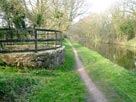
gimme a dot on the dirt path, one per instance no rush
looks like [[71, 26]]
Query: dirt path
[[95, 93]]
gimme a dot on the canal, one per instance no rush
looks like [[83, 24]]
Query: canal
[[116, 53]]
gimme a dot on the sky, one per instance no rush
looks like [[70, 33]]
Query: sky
[[96, 6]]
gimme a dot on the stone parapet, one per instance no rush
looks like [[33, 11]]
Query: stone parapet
[[43, 59]]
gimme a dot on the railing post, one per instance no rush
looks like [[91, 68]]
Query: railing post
[[35, 40], [61, 39], [47, 37], [55, 39]]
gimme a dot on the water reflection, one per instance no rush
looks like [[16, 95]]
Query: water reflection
[[116, 53]]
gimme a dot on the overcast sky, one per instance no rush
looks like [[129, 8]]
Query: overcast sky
[[96, 6]]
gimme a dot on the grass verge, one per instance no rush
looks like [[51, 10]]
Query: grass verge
[[60, 85], [117, 83]]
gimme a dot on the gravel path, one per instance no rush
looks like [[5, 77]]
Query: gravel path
[[95, 94]]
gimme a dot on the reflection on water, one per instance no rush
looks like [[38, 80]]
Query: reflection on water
[[116, 53]]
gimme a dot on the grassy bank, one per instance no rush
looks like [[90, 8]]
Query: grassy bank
[[117, 83], [60, 85]]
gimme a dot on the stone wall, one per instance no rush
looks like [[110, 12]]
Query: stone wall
[[44, 59]]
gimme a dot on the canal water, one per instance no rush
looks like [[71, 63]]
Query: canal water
[[116, 53]]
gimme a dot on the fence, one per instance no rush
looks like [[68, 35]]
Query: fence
[[29, 40]]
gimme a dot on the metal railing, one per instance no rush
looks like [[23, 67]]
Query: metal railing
[[29, 40]]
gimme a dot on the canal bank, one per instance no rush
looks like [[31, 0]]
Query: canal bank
[[123, 55], [116, 82]]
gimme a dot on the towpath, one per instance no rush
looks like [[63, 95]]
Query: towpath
[[95, 94]]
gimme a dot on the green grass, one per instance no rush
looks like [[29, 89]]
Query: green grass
[[117, 83], [60, 85]]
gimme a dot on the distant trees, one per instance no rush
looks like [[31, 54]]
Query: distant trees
[[115, 26]]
